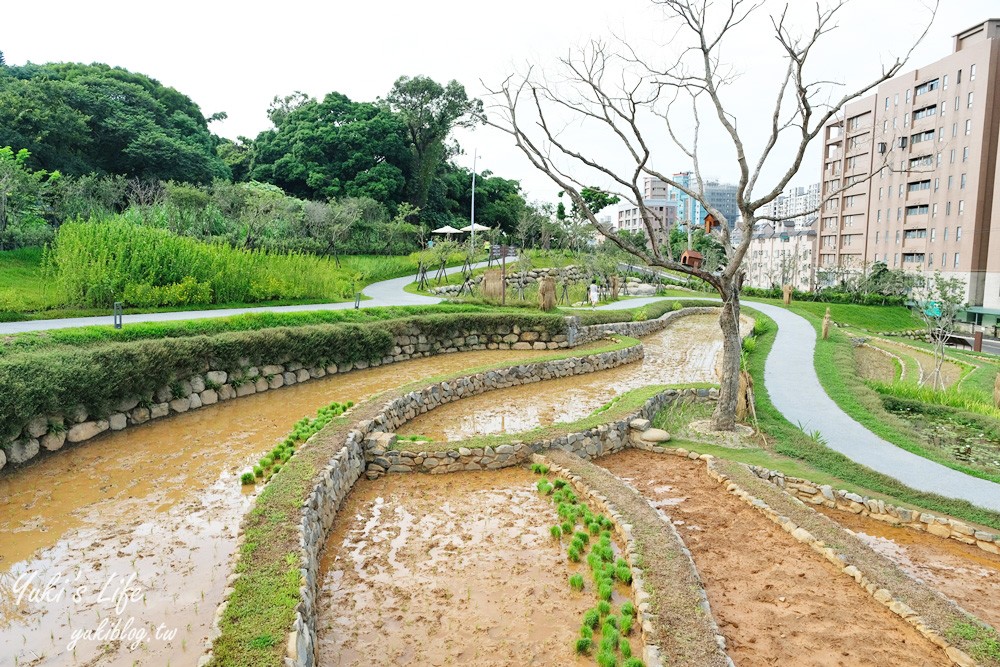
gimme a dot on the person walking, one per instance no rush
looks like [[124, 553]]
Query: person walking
[[593, 293]]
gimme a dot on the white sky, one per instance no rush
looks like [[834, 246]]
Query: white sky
[[235, 56]]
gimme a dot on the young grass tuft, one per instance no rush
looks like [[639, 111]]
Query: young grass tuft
[[587, 631], [584, 645], [628, 609], [606, 659], [555, 532], [604, 607], [574, 554], [633, 662], [247, 478], [605, 592], [567, 527], [626, 625], [592, 617], [624, 574], [576, 582], [582, 536]]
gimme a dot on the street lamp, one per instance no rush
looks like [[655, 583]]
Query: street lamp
[[472, 215]]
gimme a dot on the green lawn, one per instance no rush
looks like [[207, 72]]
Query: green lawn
[[869, 318], [23, 286]]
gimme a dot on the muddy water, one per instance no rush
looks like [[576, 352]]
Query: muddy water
[[962, 572], [777, 601], [453, 569], [686, 351], [141, 524]]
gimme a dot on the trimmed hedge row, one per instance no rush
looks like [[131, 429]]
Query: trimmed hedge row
[[50, 382]]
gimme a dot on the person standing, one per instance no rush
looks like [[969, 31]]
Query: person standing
[[593, 293]]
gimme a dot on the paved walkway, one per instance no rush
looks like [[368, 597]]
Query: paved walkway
[[794, 388], [789, 376], [386, 293]]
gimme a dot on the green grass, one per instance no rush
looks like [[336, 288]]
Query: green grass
[[789, 441], [869, 318], [23, 286]]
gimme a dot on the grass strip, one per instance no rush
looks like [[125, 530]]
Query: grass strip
[[682, 631], [938, 613]]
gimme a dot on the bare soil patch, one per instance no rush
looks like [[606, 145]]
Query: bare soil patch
[[874, 364], [777, 601], [962, 572], [453, 569]]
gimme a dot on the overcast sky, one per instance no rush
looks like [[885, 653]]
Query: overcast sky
[[235, 57]]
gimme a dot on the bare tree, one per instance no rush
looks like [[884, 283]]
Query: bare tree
[[938, 304], [617, 91]]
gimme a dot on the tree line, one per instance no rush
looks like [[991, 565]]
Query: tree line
[[330, 176]]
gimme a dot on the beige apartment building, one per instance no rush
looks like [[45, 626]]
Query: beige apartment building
[[781, 255], [910, 174]]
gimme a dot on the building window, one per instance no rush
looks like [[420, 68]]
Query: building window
[[944, 259], [940, 134], [962, 182], [939, 158], [956, 260], [930, 259], [885, 126], [922, 136], [970, 101], [919, 209], [915, 234], [958, 79], [880, 191], [895, 99], [907, 95], [945, 83], [895, 259], [916, 186], [922, 161], [876, 237], [937, 184], [961, 206], [923, 88], [933, 233], [968, 127], [945, 233], [951, 181], [934, 210], [899, 213], [951, 156], [958, 233], [957, 102], [886, 102], [947, 208], [900, 189], [972, 72], [897, 237], [924, 112], [944, 107], [965, 154]]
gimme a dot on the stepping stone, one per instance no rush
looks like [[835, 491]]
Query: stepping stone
[[654, 435]]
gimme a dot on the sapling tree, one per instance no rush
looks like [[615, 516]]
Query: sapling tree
[[939, 303], [638, 103]]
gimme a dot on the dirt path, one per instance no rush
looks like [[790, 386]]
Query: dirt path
[[161, 502], [964, 573], [686, 351], [777, 602], [448, 570]]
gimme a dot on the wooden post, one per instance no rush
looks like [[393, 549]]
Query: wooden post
[[787, 294], [503, 275], [547, 293], [826, 324]]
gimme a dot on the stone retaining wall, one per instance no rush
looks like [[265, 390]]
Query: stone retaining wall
[[579, 335], [215, 384], [598, 441], [817, 494]]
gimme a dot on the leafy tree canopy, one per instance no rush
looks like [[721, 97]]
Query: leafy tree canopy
[[331, 149], [79, 119]]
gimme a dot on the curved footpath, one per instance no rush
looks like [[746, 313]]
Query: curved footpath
[[790, 378]]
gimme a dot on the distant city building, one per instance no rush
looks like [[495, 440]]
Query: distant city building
[[655, 200], [910, 174], [690, 211], [797, 208], [781, 255]]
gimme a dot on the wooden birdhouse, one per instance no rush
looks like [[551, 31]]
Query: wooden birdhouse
[[692, 258], [711, 224]]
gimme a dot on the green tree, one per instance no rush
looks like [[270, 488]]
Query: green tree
[[79, 118], [938, 304], [334, 148], [430, 111], [23, 194]]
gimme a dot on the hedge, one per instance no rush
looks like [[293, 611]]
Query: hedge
[[53, 380]]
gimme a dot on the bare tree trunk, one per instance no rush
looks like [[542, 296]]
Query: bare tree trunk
[[724, 417]]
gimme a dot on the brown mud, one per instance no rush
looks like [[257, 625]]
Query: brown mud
[[162, 502], [455, 569], [961, 572], [686, 351], [776, 601]]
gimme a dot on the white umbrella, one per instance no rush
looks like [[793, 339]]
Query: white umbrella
[[447, 229], [475, 227]]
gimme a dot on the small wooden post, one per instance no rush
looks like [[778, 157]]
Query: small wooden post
[[826, 324], [787, 294], [547, 293]]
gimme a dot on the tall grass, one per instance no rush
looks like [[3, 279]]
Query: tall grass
[[970, 400], [98, 263]]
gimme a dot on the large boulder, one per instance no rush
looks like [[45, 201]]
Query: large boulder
[[87, 430], [22, 450], [53, 441], [654, 435]]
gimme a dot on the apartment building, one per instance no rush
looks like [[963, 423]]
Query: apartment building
[[655, 200], [910, 173], [690, 211], [781, 254], [797, 205]]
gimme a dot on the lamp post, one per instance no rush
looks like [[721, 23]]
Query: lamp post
[[472, 215]]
